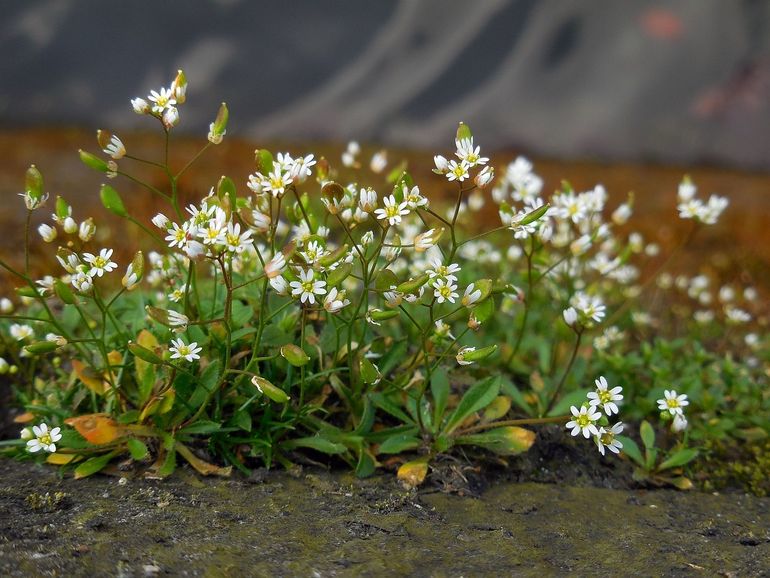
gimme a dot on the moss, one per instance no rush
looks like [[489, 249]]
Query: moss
[[47, 502], [736, 466]]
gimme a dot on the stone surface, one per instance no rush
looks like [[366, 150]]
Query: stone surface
[[320, 524]]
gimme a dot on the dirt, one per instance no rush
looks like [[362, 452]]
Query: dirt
[[321, 524]]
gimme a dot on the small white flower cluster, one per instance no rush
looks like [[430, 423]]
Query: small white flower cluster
[[673, 405], [469, 157], [691, 207], [84, 268], [586, 420], [163, 103], [284, 172]]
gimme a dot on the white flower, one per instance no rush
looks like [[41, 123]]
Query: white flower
[[444, 290], [426, 240], [82, 282], [179, 350], [6, 305], [313, 252], [280, 285], [276, 182], [161, 221], [672, 402], [275, 266], [605, 397], [484, 177], [178, 236], [443, 330], [140, 105], [469, 154], [335, 300], [584, 421], [307, 288], [589, 306], [414, 198], [350, 154], [442, 165], [621, 215], [100, 263], [606, 438], [379, 162], [393, 211], [161, 100], [735, 315], [236, 242], [178, 320], [21, 332], [44, 439], [679, 423], [170, 117], [471, 295], [457, 171], [130, 279], [443, 271], [86, 230], [462, 353], [570, 316], [300, 168], [47, 232], [115, 148]]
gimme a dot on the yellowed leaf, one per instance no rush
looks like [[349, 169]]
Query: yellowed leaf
[[60, 459], [96, 428], [200, 465], [497, 409], [25, 417], [413, 473], [90, 377]]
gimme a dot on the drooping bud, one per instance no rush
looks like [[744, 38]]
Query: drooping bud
[[179, 87]]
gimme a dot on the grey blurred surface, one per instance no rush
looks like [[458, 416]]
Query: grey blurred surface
[[677, 81]]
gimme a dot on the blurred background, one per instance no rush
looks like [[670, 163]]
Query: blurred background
[[666, 81], [632, 94]]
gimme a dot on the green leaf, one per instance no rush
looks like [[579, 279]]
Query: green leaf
[[201, 427], [388, 406], [366, 464], [398, 444], [510, 389], [112, 201], [562, 406], [206, 384], [242, 419], [647, 434], [476, 398], [93, 465], [439, 387], [169, 464], [385, 280], [316, 443], [680, 458], [137, 449], [507, 441], [631, 449]]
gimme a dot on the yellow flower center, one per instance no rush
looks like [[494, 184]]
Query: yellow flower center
[[672, 403]]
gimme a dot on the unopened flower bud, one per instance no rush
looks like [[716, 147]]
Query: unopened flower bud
[[140, 105], [47, 232], [87, 230], [170, 117], [70, 226]]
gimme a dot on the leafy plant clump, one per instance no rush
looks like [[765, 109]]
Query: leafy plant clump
[[324, 308]]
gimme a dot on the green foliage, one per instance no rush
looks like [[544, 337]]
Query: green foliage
[[304, 313]]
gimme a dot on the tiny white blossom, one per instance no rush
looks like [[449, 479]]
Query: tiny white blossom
[[21, 332], [393, 210], [100, 263], [672, 402], [606, 438], [604, 397], [307, 287], [44, 439], [584, 421], [444, 290], [179, 350]]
